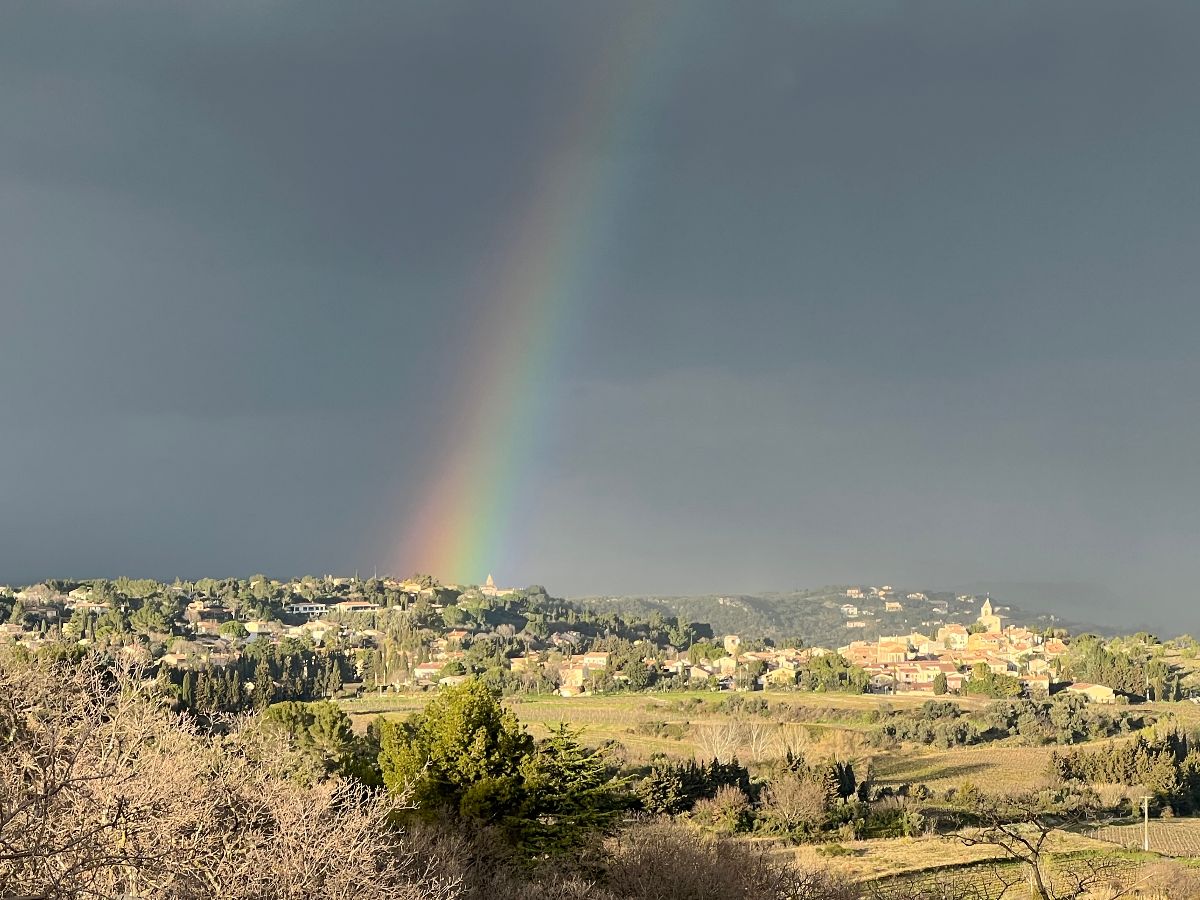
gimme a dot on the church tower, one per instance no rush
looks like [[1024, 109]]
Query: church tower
[[489, 588], [989, 619]]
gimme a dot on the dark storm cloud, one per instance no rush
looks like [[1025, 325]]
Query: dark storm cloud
[[896, 292], [259, 187]]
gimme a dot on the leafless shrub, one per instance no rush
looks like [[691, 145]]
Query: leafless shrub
[[1172, 880], [662, 861], [482, 863], [790, 802], [103, 793], [725, 811]]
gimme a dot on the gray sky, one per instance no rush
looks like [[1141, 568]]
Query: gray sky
[[893, 292]]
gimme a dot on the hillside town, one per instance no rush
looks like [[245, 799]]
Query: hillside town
[[914, 661], [387, 634]]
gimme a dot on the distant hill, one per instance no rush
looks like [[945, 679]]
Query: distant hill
[[815, 616]]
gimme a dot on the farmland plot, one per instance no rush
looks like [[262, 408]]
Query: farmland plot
[[1170, 837], [924, 858], [992, 768]]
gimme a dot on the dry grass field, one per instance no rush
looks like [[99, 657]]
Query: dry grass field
[[871, 860], [1186, 714], [937, 864], [835, 722], [997, 768], [1117, 876], [687, 725], [682, 725]]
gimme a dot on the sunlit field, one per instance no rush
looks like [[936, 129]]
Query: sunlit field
[[926, 857], [1123, 875], [997, 766], [629, 719], [690, 725]]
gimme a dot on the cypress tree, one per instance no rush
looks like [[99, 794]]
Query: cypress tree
[[187, 691], [264, 688]]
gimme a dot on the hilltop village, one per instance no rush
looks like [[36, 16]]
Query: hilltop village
[[328, 637], [915, 661]]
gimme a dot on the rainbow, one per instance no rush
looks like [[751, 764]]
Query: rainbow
[[463, 523]]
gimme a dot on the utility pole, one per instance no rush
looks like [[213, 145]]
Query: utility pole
[[1146, 823]]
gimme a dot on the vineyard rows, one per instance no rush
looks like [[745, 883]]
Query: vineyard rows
[[1170, 837]]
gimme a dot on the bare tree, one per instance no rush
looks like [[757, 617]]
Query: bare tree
[[1020, 826], [759, 739], [65, 781], [840, 745], [791, 737], [1098, 878], [719, 739]]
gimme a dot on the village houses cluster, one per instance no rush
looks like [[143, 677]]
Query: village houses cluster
[[909, 662]]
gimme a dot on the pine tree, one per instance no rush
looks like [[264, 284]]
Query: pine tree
[[570, 794], [662, 792], [463, 754], [366, 666], [329, 732]]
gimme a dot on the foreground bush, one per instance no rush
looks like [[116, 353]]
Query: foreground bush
[[668, 862], [104, 793], [659, 859]]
